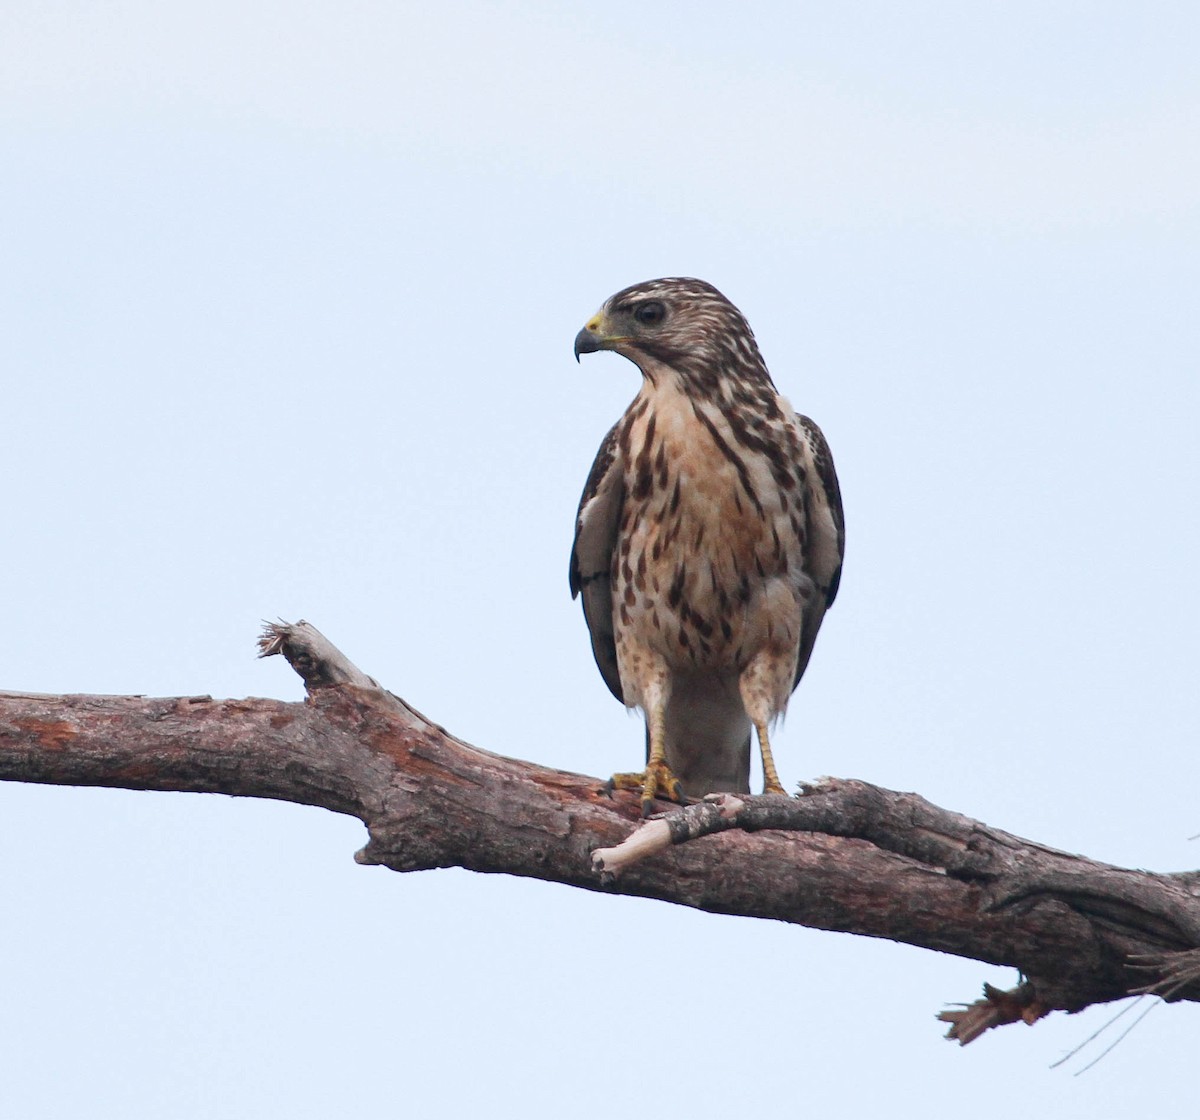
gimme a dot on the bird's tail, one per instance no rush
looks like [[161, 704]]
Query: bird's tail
[[708, 737]]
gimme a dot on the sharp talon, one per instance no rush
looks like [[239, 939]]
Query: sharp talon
[[656, 782], [606, 790]]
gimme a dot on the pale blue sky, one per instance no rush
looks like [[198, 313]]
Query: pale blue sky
[[286, 330]]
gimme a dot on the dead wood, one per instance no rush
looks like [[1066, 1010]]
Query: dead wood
[[844, 855]]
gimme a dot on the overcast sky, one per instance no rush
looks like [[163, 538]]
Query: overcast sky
[[289, 293]]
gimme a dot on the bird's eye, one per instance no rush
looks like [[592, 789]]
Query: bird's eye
[[650, 312]]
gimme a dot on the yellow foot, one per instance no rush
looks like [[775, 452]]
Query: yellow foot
[[774, 787], [655, 781]]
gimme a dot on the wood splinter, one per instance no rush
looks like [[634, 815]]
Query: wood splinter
[[716, 813]]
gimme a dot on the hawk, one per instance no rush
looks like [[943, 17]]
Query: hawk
[[708, 542]]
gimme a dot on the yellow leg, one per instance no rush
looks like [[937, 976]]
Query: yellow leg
[[761, 681], [771, 782], [656, 780], [659, 777]]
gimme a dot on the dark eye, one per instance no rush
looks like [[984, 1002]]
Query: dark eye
[[650, 312]]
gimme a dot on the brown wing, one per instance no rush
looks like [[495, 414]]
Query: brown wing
[[826, 538], [591, 555]]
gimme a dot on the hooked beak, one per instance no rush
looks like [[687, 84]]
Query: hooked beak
[[593, 337], [586, 343]]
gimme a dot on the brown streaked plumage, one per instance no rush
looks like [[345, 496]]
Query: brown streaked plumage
[[709, 539]]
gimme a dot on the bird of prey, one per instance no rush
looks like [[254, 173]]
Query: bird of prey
[[708, 542]]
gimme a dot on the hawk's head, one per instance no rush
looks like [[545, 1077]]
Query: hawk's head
[[681, 323]]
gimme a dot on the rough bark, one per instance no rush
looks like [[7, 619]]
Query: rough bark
[[845, 855]]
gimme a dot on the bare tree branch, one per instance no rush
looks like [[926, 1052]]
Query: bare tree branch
[[844, 855]]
